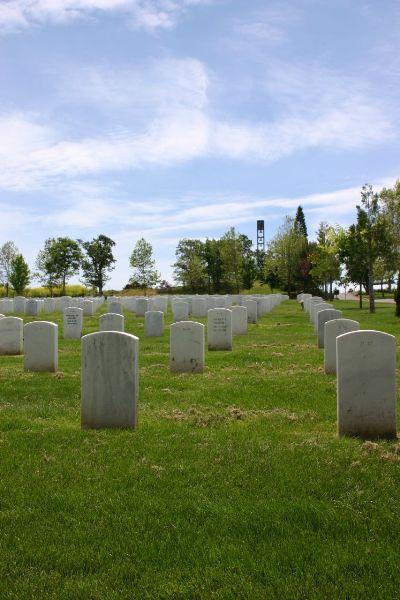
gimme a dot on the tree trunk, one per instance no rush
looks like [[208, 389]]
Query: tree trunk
[[397, 296], [371, 292], [360, 297]]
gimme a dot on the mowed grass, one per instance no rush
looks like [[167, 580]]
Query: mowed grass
[[234, 485]]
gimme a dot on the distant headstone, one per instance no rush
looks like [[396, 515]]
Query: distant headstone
[[112, 322], [219, 329], [49, 305], [109, 380], [187, 347], [115, 308], [141, 306], [251, 306], [161, 303], [180, 311], [88, 308], [19, 304], [366, 384], [31, 308], [7, 306], [41, 346], [73, 323], [153, 323], [11, 335], [333, 329], [239, 320], [322, 317], [199, 306]]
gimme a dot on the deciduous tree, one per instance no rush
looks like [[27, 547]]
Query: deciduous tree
[[19, 276], [98, 260], [143, 264], [8, 252]]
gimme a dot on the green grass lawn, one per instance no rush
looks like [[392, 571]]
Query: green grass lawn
[[234, 485]]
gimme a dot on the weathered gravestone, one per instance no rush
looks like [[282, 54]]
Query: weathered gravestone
[[109, 380], [239, 320], [7, 306], [41, 346], [322, 317], [19, 304], [251, 306], [31, 308], [115, 308], [49, 305], [187, 347], [141, 306], [160, 303], [180, 311], [73, 323], [333, 329], [88, 308], [219, 329], [11, 335], [153, 323], [199, 306], [112, 322], [314, 311], [366, 384]]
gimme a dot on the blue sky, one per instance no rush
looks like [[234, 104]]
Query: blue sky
[[171, 119]]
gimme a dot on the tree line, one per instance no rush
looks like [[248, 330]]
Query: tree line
[[363, 254], [62, 258]]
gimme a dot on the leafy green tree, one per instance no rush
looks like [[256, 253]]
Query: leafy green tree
[[189, 267], [143, 264], [19, 276], [97, 261], [60, 260], [352, 251], [235, 251], [213, 265], [373, 228], [8, 252], [390, 198], [325, 257], [285, 252]]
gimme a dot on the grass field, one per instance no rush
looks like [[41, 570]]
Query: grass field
[[235, 484]]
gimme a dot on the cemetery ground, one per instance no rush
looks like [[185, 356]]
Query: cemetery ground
[[234, 485]]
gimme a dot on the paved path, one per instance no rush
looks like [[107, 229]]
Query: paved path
[[349, 296]]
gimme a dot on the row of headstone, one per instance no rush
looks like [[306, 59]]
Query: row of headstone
[[34, 306], [195, 305], [109, 369], [365, 365], [38, 341]]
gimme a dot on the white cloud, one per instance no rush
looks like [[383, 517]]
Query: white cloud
[[153, 87], [150, 15]]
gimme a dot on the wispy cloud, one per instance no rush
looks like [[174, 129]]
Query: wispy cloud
[[150, 15]]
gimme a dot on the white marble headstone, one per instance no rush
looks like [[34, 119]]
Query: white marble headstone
[[109, 380], [11, 335], [322, 317], [73, 323], [219, 329], [366, 384], [112, 322], [41, 346], [333, 329], [239, 320], [187, 347], [153, 323]]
